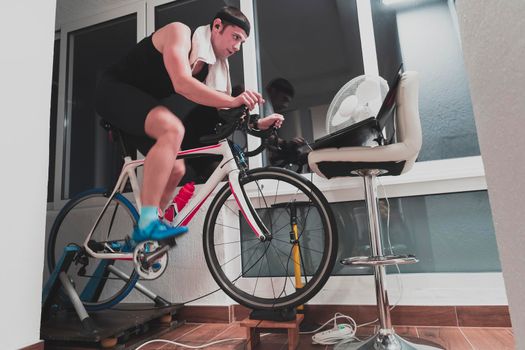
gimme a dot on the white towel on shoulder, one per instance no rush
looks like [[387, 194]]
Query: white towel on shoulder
[[218, 77]]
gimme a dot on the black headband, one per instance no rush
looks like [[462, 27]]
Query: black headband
[[235, 21]]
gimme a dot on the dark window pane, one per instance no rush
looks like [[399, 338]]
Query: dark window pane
[[315, 45], [93, 160], [53, 122], [424, 37], [447, 232], [450, 232]]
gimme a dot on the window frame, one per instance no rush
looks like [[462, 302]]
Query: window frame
[[427, 177], [52, 172], [64, 79]]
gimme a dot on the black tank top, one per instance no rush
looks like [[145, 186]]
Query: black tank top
[[143, 67]]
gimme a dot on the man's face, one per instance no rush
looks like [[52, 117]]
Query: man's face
[[226, 40], [280, 100]]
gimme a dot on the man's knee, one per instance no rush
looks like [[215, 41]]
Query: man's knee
[[179, 169], [161, 122]]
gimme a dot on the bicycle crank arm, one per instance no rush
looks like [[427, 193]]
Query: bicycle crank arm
[[150, 259]]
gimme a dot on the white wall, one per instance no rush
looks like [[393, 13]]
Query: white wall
[[494, 47], [26, 36]]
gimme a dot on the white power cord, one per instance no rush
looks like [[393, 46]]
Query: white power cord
[[398, 276], [185, 345], [193, 346], [340, 333]]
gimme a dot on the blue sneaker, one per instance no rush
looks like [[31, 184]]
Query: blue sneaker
[[157, 231]]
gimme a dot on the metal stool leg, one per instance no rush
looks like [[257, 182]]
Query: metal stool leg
[[385, 338]]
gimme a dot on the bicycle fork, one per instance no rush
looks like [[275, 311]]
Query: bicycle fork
[[248, 211]]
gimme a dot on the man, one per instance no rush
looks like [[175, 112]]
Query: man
[[283, 153], [172, 61], [280, 93]]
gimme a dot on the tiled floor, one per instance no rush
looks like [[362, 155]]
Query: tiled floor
[[451, 338]]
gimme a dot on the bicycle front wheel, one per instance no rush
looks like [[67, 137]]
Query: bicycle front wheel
[[292, 266], [99, 282]]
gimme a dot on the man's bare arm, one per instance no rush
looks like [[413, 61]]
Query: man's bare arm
[[176, 46]]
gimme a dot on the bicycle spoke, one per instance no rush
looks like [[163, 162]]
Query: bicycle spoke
[[281, 213], [306, 216], [257, 280], [301, 262], [241, 274], [270, 274], [280, 229], [285, 268], [239, 241], [236, 213], [263, 276], [289, 256], [310, 249], [223, 225], [240, 254], [276, 191], [261, 194], [287, 262]]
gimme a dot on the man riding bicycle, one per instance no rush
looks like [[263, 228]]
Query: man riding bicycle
[[173, 61]]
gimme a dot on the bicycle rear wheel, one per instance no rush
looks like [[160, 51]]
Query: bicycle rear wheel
[[98, 287], [282, 272]]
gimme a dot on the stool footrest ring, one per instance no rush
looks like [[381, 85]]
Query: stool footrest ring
[[380, 260]]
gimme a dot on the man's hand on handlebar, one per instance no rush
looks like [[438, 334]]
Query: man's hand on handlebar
[[275, 120], [248, 98]]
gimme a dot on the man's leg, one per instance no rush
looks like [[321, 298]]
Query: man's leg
[[168, 131], [178, 171]]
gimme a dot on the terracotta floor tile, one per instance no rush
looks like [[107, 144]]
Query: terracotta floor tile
[[450, 338], [489, 338]]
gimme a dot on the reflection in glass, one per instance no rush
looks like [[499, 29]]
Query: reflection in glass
[[90, 159], [314, 45]]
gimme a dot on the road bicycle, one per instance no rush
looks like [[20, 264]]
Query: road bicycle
[[269, 236]]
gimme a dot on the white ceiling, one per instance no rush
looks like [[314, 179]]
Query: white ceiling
[[68, 10]]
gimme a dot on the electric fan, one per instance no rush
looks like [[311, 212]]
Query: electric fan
[[357, 100]]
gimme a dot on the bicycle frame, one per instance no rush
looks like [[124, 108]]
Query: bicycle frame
[[227, 167]]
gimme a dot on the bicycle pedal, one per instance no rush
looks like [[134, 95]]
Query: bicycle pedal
[[168, 241]]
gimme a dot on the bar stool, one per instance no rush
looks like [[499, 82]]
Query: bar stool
[[368, 153]]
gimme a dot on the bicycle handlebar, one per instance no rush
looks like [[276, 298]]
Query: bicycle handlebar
[[234, 118]]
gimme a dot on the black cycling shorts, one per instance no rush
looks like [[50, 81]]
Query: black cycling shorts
[[126, 108]]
